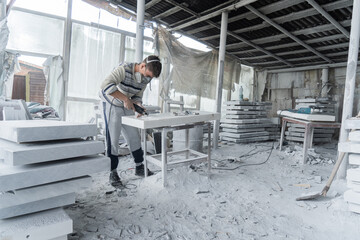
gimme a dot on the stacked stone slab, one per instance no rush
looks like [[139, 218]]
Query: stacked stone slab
[[42, 165], [246, 122], [352, 196], [296, 132]]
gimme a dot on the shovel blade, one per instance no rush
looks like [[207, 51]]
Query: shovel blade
[[308, 197]]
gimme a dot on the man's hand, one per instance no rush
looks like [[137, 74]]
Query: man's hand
[[139, 114], [128, 104]]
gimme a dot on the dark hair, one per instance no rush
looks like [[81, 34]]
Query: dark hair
[[153, 64]]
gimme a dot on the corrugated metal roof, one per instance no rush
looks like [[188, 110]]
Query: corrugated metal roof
[[252, 38]]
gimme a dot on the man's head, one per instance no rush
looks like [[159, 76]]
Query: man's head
[[150, 66]]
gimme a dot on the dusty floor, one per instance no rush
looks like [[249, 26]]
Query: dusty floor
[[249, 202]]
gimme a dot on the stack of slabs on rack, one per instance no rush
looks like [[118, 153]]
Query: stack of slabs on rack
[[246, 122], [42, 165], [352, 147], [296, 132]]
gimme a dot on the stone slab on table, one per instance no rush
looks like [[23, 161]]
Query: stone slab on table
[[315, 140], [44, 225], [17, 177], [234, 112], [44, 130], [251, 108], [169, 119], [308, 117], [39, 198], [27, 153], [231, 116]]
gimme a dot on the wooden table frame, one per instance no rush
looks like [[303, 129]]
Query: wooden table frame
[[309, 132]]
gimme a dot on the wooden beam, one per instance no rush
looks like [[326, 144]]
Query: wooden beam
[[168, 12]]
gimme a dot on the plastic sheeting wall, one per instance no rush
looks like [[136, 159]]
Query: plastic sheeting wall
[[190, 72]]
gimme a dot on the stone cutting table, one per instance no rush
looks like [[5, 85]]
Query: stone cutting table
[[169, 122], [309, 131]]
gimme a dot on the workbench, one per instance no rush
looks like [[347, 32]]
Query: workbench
[[166, 122], [309, 132]]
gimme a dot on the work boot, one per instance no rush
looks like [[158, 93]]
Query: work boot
[[140, 171], [114, 179]]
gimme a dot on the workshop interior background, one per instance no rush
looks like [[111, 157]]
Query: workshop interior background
[[280, 55]]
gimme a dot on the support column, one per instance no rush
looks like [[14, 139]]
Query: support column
[[66, 55], [220, 75], [350, 81], [140, 12], [324, 82], [2, 9]]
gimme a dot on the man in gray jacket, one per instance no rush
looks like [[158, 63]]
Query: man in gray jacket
[[123, 88]]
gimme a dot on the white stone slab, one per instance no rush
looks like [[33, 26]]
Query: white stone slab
[[315, 140], [307, 100], [308, 117], [355, 186], [247, 126], [230, 116], [39, 198], [38, 226], [354, 158], [353, 174], [246, 140], [352, 123], [17, 177], [354, 136], [352, 196], [44, 130], [241, 103], [300, 134], [233, 130], [236, 121], [245, 112], [168, 119], [252, 108], [27, 153], [354, 207], [243, 135], [60, 238]]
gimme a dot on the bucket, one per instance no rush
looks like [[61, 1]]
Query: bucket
[[195, 139]]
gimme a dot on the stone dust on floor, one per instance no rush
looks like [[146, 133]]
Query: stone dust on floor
[[250, 194]]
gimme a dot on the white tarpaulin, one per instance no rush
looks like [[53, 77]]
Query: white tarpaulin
[[189, 71], [55, 85]]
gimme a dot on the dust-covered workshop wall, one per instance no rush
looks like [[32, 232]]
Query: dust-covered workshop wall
[[283, 88]]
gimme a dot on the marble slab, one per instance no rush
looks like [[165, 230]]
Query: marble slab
[[16, 177], [252, 108], [246, 140], [27, 153], [315, 140], [352, 123], [354, 185], [44, 130], [243, 135], [39, 226], [168, 119], [246, 126], [245, 112], [354, 158], [352, 196], [234, 130], [354, 207], [354, 136], [308, 117], [39, 198], [235, 121], [353, 174], [60, 238], [231, 116]]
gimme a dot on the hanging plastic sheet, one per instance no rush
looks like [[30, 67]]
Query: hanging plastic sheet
[[189, 71], [55, 85]]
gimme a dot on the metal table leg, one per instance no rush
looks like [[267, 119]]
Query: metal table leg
[[209, 146], [306, 142], [282, 133], [163, 155], [143, 138]]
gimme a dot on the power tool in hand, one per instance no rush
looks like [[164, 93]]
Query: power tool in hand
[[140, 110]]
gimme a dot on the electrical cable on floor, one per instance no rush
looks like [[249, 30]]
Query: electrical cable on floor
[[249, 164]]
